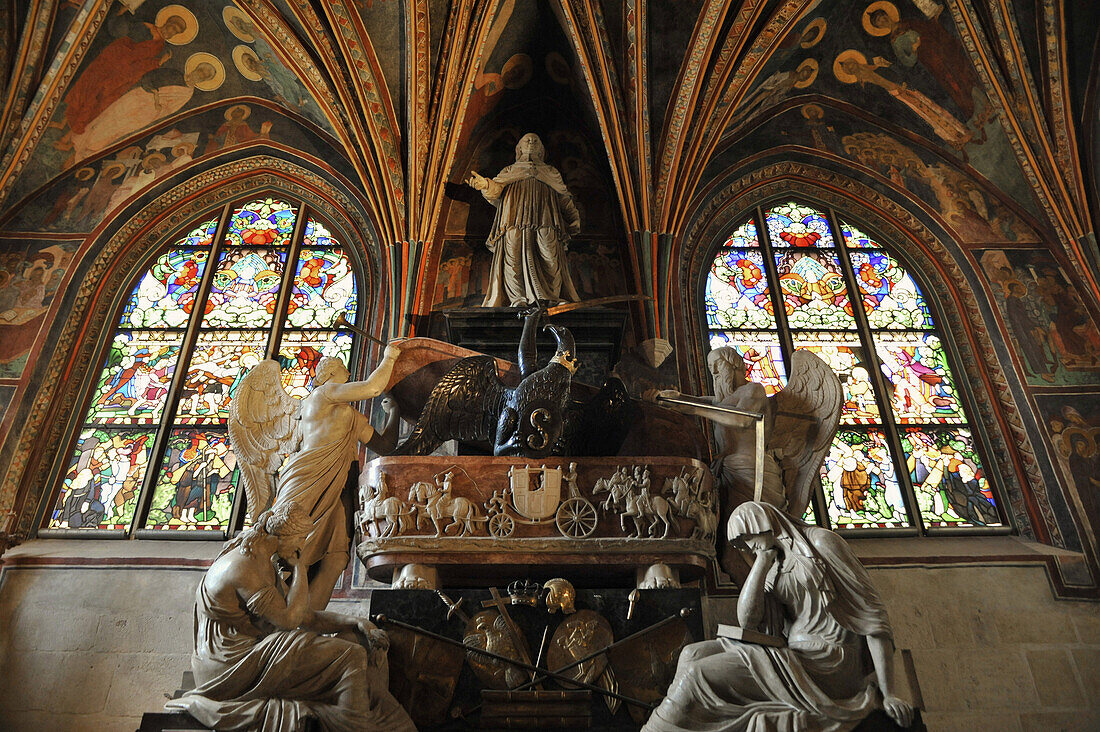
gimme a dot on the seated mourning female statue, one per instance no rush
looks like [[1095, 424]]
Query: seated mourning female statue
[[837, 664], [262, 659]]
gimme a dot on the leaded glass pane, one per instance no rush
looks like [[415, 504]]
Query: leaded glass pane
[[745, 237], [245, 290], [135, 378], [324, 287], [814, 293], [917, 368], [263, 223], [796, 225], [861, 487], [762, 354], [101, 483], [196, 484], [737, 294], [200, 236], [217, 367], [809, 516], [890, 296], [856, 239], [845, 356], [301, 351], [947, 475], [165, 296]]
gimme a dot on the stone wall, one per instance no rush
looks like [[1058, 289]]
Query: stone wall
[[90, 643]]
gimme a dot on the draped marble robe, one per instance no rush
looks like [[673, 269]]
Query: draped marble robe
[[529, 240], [822, 599]]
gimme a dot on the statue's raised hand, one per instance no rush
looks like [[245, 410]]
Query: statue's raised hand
[[477, 181]]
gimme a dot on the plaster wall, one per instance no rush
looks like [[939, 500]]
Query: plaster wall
[[91, 643]]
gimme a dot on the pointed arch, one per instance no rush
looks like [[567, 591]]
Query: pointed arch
[[119, 253]]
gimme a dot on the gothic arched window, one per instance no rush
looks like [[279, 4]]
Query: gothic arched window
[[152, 454], [905, 455]]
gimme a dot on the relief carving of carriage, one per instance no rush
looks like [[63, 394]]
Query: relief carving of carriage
[[533, 496]]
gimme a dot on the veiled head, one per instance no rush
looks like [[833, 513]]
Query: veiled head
[[530, 148]]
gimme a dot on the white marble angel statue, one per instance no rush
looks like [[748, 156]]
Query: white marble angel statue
[[837, 663], [799, 425], [319, 438], [263, 660], [534, 220]]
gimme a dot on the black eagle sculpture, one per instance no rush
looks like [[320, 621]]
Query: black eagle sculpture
[[471, 404]]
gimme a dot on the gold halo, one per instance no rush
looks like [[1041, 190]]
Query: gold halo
[[193, 62], [517, 71], [153, 156], [191, 25], [230, 13], [84, 173], [810, 63], [850, 55], [817, 24], [112, 169], [245, 107], [891, 11], [238, 60], [813, 112]]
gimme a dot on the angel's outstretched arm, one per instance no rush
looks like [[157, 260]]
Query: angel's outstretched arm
[[375, 384]]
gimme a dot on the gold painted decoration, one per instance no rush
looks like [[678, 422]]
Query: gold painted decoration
[[247, 62], [187, 18], [806, 73], [204, 70], [813, 34], [239, 24], [84, 173], [842, 67], [581, 634], [880, 18], [488, 631]]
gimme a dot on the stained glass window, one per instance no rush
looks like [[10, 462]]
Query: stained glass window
[[153, 452], [905, 456]]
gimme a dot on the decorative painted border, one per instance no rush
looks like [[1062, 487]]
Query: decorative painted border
[[60, 389]]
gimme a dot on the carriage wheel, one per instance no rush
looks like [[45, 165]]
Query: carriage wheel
[[576, 518], [501, 525]]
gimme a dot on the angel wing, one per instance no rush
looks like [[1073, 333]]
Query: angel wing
[[464, 405], [806, 416], [263, 430]]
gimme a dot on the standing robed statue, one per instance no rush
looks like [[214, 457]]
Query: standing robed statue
[[534, 220]]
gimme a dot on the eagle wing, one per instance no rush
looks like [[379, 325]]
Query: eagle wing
[[464, 405]]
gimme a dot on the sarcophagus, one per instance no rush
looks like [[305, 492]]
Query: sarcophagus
[[599, 514]]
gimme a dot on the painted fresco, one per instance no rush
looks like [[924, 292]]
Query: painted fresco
[[1055, 339], [1072, 422], [154, 59], [6, 394], [30, 274], [79, 200], [901, 61], [463, 275], [975, 215]]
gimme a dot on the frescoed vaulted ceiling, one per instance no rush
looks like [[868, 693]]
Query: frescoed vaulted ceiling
[[970, 112]]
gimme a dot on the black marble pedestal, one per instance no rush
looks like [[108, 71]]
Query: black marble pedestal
[[598, 333], [434, 682]]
